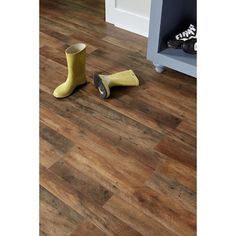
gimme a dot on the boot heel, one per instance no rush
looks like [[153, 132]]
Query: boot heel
[[102, 91]]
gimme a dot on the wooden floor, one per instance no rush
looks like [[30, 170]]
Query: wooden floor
[[122, 166]]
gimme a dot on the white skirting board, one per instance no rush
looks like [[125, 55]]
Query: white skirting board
[[126, 20]]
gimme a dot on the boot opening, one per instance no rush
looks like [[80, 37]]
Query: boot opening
[[75, 48]]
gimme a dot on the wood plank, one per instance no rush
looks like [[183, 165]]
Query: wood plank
[[130, 45], [105, 139], [86, 228], [176, 150], [99, 216], [158, 206], [188, 127], [82, 183], [177, 171], [46, 40], [161, 183], [117, 184], [135, 218], [48, 154], [120, 173], [161, 207], [55, 139], [56, 218]]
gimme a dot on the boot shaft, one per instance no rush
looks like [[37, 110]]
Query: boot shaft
[[76, 57], [124, 78], [104, 82]]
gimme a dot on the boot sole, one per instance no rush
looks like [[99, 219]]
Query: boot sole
[[99, 85]]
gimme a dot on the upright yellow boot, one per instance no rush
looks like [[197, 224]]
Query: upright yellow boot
[[75, 56], [104, 82]]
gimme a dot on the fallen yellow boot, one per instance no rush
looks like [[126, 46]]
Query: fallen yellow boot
[[104, 82], [75, 56]]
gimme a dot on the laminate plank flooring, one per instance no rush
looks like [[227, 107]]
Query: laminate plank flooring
[[122, 166]]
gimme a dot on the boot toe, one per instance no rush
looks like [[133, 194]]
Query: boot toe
[[61, 91], [56, 94]]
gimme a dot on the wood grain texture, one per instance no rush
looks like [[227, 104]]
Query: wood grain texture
[[122, 166], [86, 228], [49, 154], [82, 183], [83, 206], [137, 219], [56, 218]]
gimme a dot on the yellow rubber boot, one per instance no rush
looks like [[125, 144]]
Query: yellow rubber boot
[[75, 56], [104, 82]]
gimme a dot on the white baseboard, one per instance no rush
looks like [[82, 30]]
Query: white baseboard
[[126, 20]]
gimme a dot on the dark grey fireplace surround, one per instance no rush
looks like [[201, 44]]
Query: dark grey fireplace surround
[[166, 16]]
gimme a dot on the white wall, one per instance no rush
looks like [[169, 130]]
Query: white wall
[[140, 7], [132, 15]]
